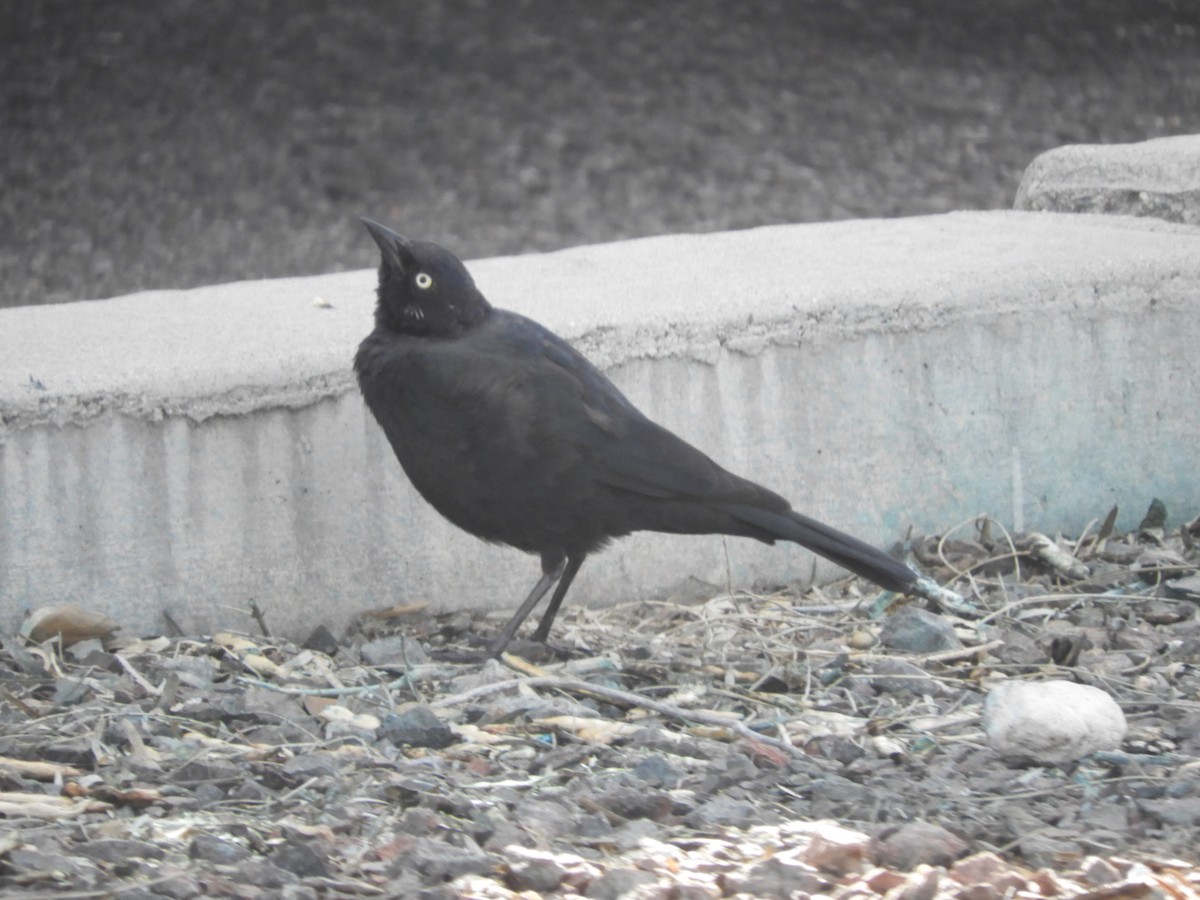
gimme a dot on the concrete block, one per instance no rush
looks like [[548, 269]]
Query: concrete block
[[190, 450], [1159, 178]]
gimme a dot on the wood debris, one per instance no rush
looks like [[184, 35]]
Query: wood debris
[[751, 745]]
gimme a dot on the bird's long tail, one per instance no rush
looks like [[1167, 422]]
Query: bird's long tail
[[848, 552]]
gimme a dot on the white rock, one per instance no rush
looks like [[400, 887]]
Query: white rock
[[1051, 721]]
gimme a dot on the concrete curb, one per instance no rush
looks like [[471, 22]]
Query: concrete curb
[[1159, 178], [190, 450]]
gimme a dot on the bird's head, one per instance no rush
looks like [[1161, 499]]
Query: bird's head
[[424, 289]]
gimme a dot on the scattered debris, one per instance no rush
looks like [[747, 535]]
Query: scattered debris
[[825, 742]]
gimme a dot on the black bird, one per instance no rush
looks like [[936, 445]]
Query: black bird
[[512, 435]]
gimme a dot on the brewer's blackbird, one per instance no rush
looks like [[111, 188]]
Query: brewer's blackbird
[[512, 435]]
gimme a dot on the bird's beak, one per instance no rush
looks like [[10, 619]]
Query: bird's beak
[[390, 244]]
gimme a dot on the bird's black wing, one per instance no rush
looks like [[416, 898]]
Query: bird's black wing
[[628, 451]]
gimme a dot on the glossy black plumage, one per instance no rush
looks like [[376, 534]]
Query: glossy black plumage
[[511, 434]]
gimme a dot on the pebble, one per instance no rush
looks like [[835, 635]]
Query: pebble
[[722, 810], [301, 858], [263, 874], [897, 676], [657, 772], [779, 877], [322, 640], [214, 849], [617, 883], [918, 843], [1051, 722], [1177, 813], [534, 870], [396, 651], [437, 860], [917, 630], [179, 887], [115, 850], [417, 726]]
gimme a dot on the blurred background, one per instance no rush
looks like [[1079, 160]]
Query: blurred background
[[187, 142]]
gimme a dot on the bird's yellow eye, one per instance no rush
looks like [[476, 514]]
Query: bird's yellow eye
[[423, 280]]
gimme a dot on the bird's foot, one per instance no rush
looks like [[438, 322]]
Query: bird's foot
[[538, 652]]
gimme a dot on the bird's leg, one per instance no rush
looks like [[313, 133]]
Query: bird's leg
[[567, 576], [552, 570]]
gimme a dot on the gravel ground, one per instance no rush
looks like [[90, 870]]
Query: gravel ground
[[198, 142], [832, 743]]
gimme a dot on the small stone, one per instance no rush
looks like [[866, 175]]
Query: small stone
[[301, 858], [179, 887], [214, 849], [834, 849], [39, 862], [861, 640], [310, 765], [630, 802], [1174, 813], [267, 706], [1051, 722], [838, 791], [594, 825], [780, 876], [192, 671], [632, 834], [547, 819], [114, 850], [657, 772], [617, 883], [250, 791], [321, 640], [71, 691], [395, 651], [722, 810], [897, 676], [205, 771], [72, 752], [419, 820], [841, 749], [1160, 612], [980, 868], [534, 870], [263, 874], [439, 861], [917, 630], [1097, 871], [918, 843], [738, 769], [417, 726]]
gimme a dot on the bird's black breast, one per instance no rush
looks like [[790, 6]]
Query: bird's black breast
[[490, 429]]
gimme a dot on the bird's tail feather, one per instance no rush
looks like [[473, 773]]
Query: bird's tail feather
[[847, 551]]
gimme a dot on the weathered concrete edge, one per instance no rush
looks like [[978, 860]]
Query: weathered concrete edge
[[1159, 178], [957, 376], [319, 372]]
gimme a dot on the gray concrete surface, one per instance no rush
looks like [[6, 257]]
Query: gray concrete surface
[[1159, 178], [191, 450]]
